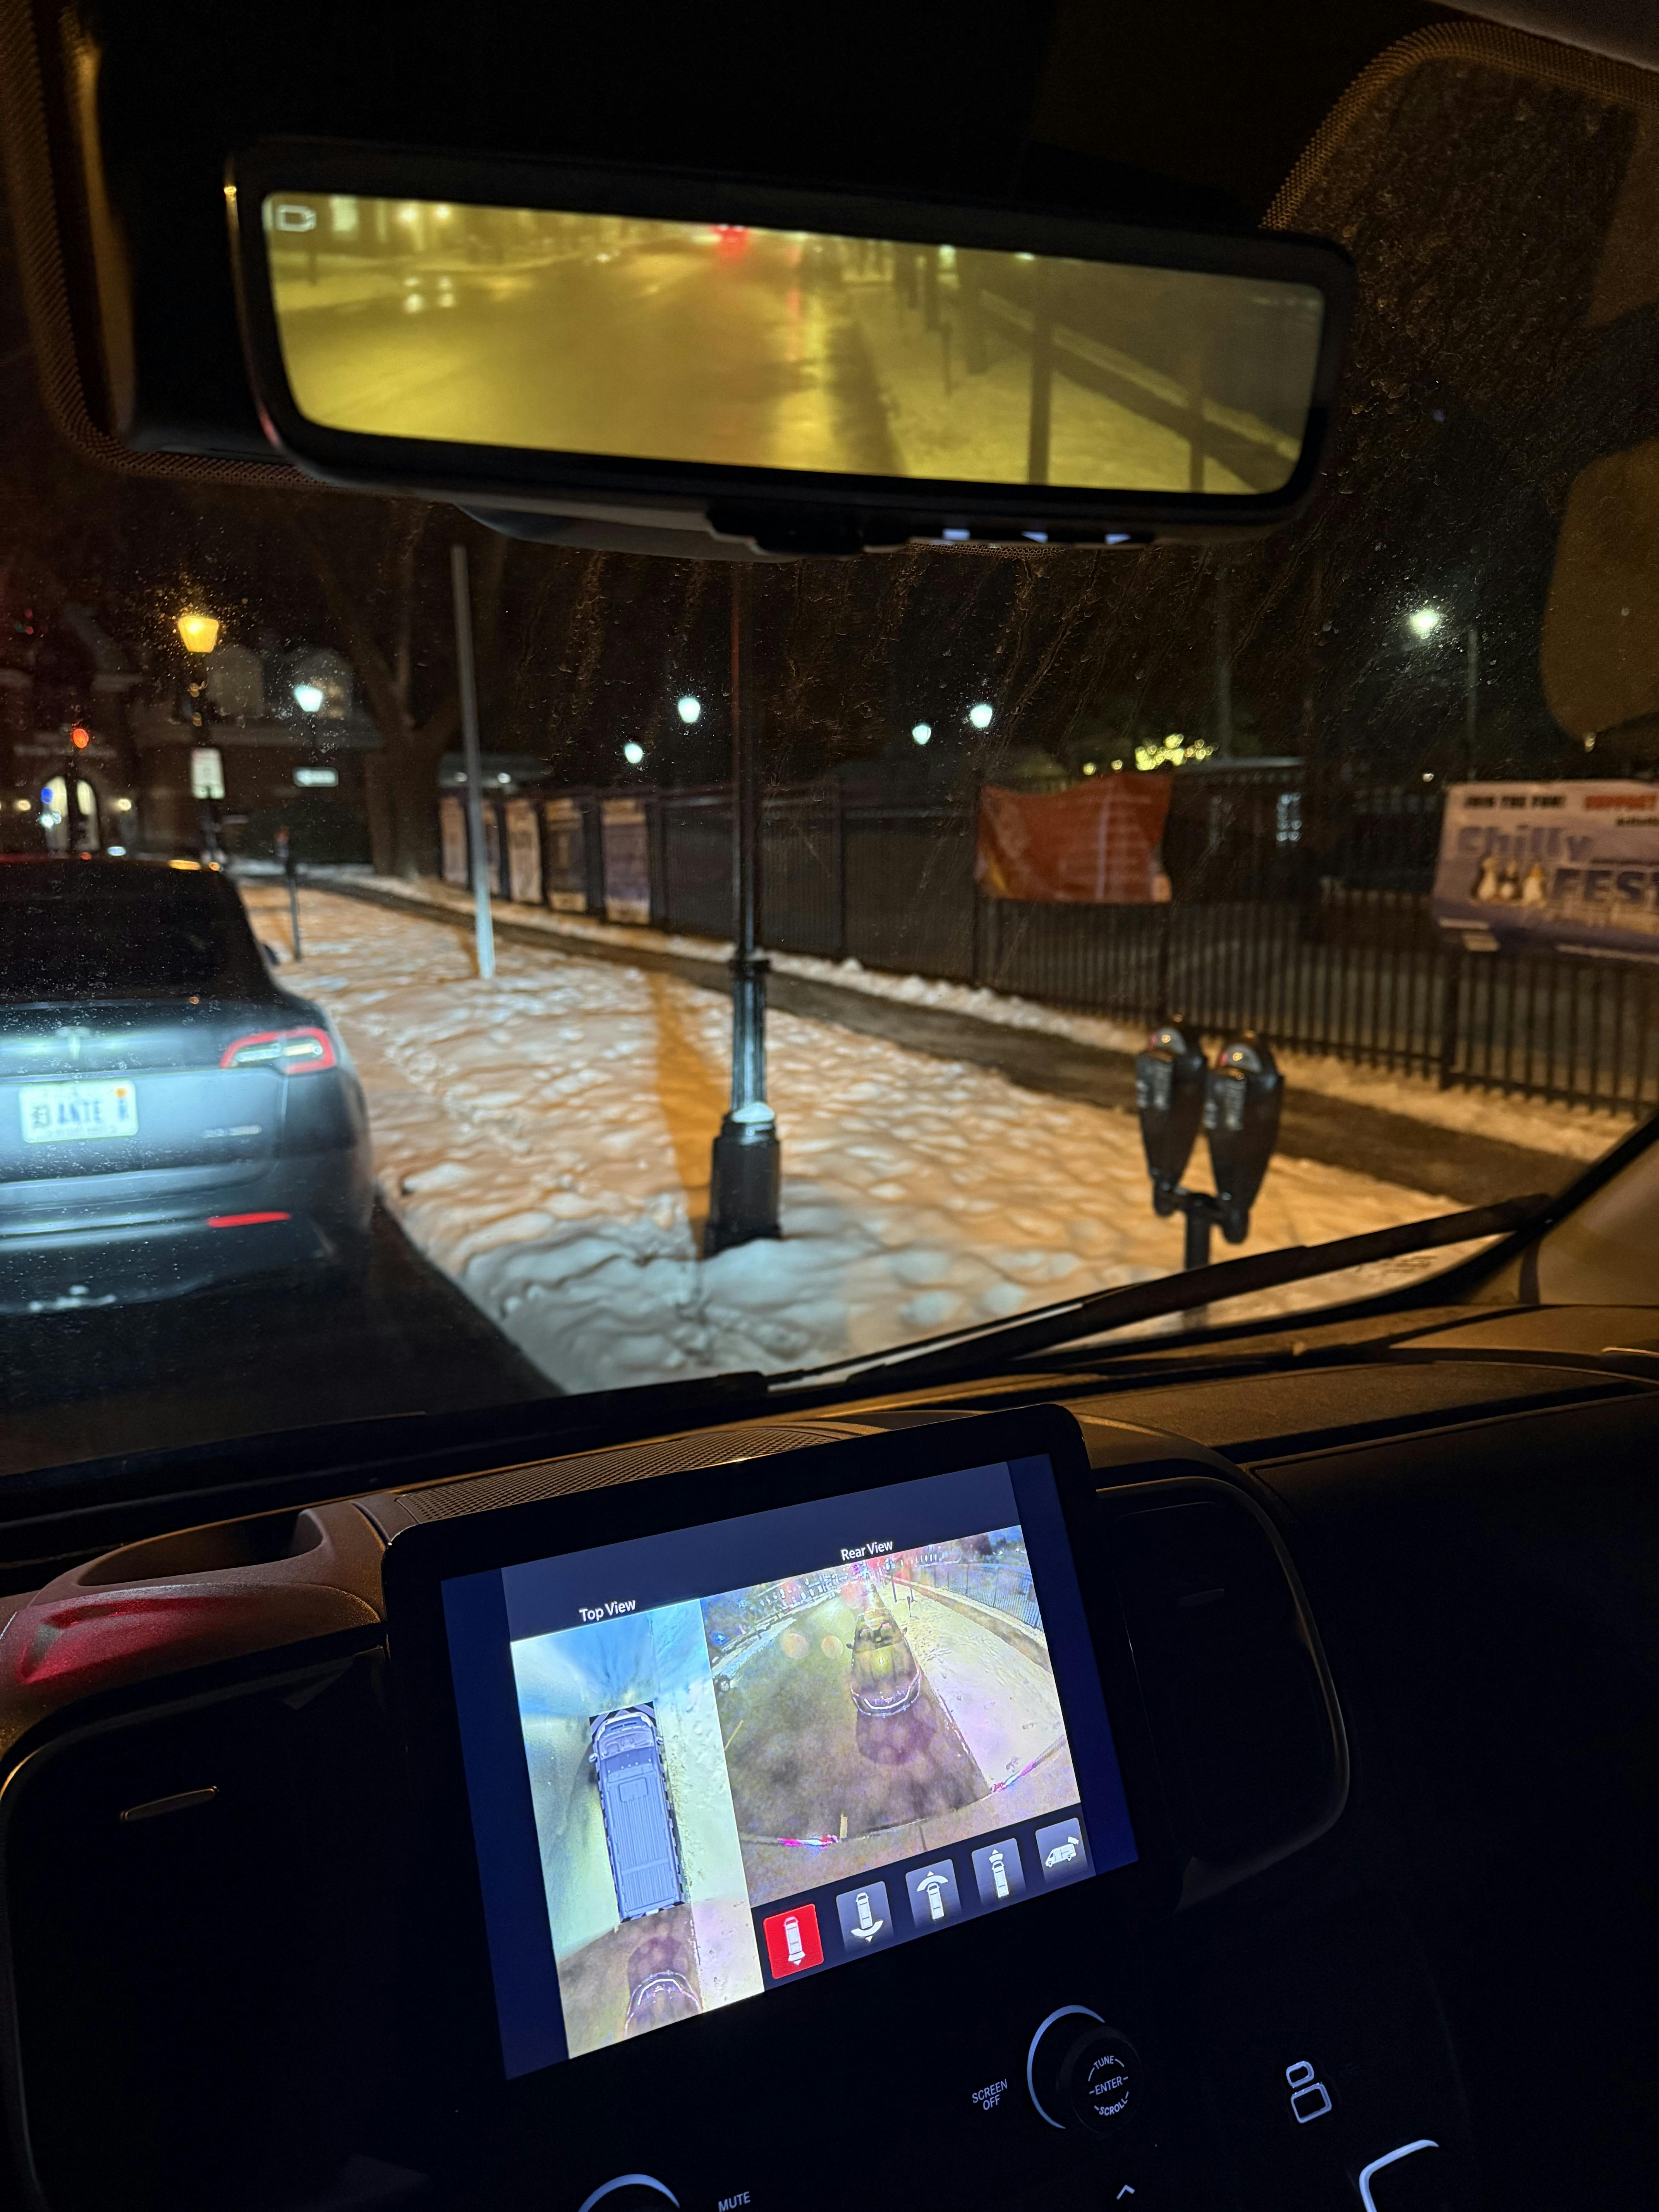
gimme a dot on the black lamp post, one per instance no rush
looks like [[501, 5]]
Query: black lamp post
[[743, 1190], [199, 633]]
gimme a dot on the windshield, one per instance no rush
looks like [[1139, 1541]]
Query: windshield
[[345, 1070]]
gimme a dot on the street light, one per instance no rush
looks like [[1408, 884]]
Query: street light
[[199, 633], [633, 753], [922, 731], [1423, 623], [308, 698], [688, 708], [981, 715]]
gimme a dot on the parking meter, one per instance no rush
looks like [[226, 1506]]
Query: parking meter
[[1243, 1096], [285, 861], [1169, 1094]]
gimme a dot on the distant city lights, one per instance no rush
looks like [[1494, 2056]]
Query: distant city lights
[[1171, 751], [981, 716], [688, 708], [922, 731], [633, 753]]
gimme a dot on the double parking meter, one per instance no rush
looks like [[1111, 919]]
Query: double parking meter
[[1169, 1092], [1236, 1103], [1243, 1096]]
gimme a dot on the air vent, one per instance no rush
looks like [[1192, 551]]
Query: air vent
[[200, 1977], [1247, 1736]]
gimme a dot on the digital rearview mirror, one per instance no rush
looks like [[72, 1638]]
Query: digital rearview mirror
[[800, 372]]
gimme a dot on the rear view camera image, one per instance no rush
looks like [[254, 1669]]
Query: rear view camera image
[[570, 331], [694, 1763], [874, 1713]]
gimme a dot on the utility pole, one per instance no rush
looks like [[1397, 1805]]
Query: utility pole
[[484, 927], [1471, 693], [743, 1188]]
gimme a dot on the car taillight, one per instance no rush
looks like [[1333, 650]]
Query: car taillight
[[290, 1052]]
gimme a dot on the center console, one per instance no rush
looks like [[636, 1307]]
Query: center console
[[930, 1811]]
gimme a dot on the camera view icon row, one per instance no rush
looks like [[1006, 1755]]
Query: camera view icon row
[[931, 1898]]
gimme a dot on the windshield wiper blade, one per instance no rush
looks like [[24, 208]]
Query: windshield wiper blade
[[1089, 1316]]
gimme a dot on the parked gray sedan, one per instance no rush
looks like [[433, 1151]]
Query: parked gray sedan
[[169, 1117]]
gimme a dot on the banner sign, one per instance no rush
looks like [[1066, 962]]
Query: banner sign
[[1572, 866], [452, 837], [565, 855], [627, 840], [492, 829], [524, 852], [1094, 845]]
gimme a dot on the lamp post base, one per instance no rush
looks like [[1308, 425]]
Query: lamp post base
[[743, 1188]]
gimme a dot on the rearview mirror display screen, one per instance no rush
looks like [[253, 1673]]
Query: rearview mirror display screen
[[710, 342], [703, 1765]]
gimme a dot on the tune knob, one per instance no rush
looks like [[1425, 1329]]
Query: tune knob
[[630, 2192], [1082, 2073]]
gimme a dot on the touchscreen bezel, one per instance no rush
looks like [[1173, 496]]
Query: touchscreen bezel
[[453, 2018]]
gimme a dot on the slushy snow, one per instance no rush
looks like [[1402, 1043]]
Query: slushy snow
[[544, 1139]]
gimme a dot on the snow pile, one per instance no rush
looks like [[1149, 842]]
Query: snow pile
[[1569, 1131], [545, 1139]]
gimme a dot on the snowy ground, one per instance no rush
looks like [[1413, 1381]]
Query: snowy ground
[[1571, 1132], [545, 1139]]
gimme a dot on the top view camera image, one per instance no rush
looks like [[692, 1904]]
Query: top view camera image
[[695, 1762]]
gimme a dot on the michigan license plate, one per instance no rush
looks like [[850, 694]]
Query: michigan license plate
[[71, 1113]]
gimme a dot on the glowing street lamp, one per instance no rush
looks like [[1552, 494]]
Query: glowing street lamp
[[981, 716], [1423, 623], [308, 698], [688, 708], [198, 634], [633, 753], [922, 731]]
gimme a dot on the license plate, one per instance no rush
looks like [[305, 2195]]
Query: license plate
[[71, 1113]]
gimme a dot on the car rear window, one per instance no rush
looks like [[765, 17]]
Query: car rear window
[[87, 934]]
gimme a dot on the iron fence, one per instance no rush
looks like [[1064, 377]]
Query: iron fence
[[1298, 911]]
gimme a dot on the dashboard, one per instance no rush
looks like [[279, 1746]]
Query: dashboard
[[1217, 1790]]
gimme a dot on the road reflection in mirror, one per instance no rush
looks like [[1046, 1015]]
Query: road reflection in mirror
[[716, 343]]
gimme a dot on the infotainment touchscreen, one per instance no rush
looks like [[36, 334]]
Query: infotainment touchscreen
[[707, 1763]]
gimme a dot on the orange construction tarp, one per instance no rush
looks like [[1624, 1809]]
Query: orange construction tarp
[[1094, 845]]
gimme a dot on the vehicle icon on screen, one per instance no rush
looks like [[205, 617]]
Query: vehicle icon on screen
[[1062, 1852], [885, 1678], [625, 1750]]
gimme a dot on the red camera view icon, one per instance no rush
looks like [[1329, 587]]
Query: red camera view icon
[[791, 1941]]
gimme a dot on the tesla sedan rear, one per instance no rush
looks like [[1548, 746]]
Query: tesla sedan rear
[[169, 1117]]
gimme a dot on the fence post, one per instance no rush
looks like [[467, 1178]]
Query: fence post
[[841, 869], [1451, 992]]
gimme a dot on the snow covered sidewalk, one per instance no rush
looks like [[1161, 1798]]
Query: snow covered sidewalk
[[546, 1137]]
